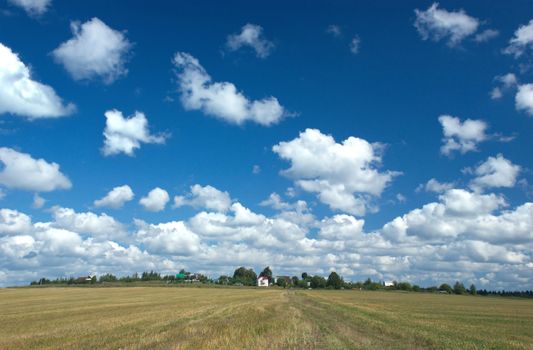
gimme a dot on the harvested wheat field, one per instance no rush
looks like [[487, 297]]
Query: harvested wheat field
[[242, 318]]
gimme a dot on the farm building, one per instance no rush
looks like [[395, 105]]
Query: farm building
[[388, 284], [262, 281]]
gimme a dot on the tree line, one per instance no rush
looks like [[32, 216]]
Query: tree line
[[243, 276]]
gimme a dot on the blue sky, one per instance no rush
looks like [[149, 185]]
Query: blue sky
[[392, 141]]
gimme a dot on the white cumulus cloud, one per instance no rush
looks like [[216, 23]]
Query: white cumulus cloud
[[344, 174], [461, 136], [21, 171], [221, 100], [521, 41], [13, 222], [434, 185], [23, 96], [495, 172], [156, 200], [33, 7], [116, 197], [100, 226], [524, 98], [172, 238], [251, 35], [439, 24], [506, 82], [486, 35], [125, 135], [467, 236], [207, 197], [95, 51]]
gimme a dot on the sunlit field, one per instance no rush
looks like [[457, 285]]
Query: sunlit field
[[237, 318]]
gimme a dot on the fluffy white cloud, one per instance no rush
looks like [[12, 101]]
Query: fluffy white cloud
[[17, 246], [73, 245], [486, 35], [125, 135], [23, 172], [479, 251], [207, 197], [465, 236], [506, 82], [343, 174], [13, 222], [461, 202], [438, 24], [245, 226], [461, 136], [355, 44], [221, 100], [274, 201], [463, 215], [521, 41], [33, 7], [435, 186], [95, 51], [172, 238], [23, 96], [341, 227], [99, 226], [524, 98], [251, 35], [116, 197], [495, 172], [156, 200]]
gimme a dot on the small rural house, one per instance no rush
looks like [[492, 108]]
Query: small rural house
[[262, 281], [388, 284]]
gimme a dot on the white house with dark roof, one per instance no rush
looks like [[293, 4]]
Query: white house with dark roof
[[262, 281]]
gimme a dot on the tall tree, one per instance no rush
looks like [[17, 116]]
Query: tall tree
[[473, 289], [334, 280], [245, 276], [459, 288], [318, 282]]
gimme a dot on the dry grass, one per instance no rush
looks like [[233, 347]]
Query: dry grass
[[205, 318]]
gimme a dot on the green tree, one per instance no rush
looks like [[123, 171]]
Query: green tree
[[108, 278], [404, 286], [305, 275], [282, 282], [318, 282], [245, 276], [459, 288], [473, 289], [224, 280], [446, 288], [334, 280], [303, 284], [295, 280]]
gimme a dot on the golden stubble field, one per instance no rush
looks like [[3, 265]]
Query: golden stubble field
[[246, 318]]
